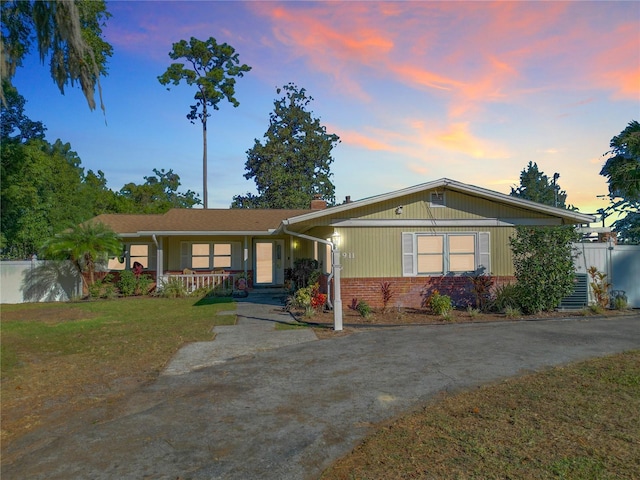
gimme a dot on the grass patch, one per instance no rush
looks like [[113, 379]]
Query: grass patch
[[71, 355], [291, 326], [573, 422]]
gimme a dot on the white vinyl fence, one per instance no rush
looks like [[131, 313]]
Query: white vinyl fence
[[38, 281], [621, 263]]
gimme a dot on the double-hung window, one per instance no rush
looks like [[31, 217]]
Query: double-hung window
[[200, 255], [444, 253], [142, 253], [222, 255], [210, 255]]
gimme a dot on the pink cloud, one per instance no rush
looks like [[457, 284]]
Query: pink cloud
[[478, 52]]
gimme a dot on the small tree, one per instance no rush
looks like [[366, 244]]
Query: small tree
[[85, 245], [543, 262], [214, 67]]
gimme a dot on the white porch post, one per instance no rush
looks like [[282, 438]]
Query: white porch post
[[337, 301], [159, 258]]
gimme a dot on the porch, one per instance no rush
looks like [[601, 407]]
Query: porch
[[222, 283]]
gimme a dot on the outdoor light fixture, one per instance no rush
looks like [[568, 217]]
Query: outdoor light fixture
[[399, 210], [335, 238]]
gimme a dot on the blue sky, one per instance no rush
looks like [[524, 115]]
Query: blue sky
[[416, 91]]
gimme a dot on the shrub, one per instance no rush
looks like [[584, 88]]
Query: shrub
[[308, 298], [363, 309], [482, 285], [619, 300], [103, 288], [131, 284], [305, 272], [174, 288], [473, 312], [505, 296], [127, 283], [512, 312], [440, 304], [387, 294], [599, 286], [144, 282], [543, 263], [596, 308]]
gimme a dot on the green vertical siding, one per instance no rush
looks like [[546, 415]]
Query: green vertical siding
[[377, 252]]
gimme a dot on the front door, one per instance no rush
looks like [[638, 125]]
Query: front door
[[269, 262]]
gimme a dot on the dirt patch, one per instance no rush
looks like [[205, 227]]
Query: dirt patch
[[353, 321], [50, 315]]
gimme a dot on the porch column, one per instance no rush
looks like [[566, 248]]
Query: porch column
[[159, 258]]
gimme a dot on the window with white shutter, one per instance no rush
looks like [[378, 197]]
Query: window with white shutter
[[445, 253]]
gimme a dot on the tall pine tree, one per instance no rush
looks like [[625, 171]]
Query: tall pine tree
[[293, 164]]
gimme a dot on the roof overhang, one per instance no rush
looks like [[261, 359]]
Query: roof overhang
[[209, 233]]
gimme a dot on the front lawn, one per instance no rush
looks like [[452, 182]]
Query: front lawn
[[572, 422], [61, 357]]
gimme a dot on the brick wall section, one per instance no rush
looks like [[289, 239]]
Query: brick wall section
[[412, 292]]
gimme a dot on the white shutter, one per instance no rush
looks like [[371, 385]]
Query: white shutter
[[484, 253], [185, 255], [408, 257]]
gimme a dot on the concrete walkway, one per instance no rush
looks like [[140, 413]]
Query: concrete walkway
[[288, 413], [255, 331]]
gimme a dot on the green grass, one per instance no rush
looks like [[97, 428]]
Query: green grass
[[106, 327], [77, 353], [292, 326], [573, 422]]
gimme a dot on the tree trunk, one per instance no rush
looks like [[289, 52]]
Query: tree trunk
[[205, 202]]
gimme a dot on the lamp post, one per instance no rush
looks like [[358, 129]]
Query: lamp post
[[335, 265]]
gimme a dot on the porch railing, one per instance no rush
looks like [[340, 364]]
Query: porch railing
[[218, 282]]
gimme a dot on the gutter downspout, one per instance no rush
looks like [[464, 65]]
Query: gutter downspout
[[335, 273]]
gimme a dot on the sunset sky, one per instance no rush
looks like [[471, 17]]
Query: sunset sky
[[416, 91]]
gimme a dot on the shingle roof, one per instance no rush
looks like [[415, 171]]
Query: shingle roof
[[124, 223], [199, 220]]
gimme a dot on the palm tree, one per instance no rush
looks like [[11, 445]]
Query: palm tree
[[85, 245]]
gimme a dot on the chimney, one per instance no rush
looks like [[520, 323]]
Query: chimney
[[347, 199], [317, 203]]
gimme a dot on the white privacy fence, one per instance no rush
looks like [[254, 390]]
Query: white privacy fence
[[38, 281], [621, 263]]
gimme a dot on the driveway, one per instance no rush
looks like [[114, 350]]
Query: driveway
[[289, 412]]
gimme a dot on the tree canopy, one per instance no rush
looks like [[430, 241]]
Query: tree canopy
[[158, 194], [538, 187], [45, 189], [622, 170], [214, 68], [15, 126], [68, 33], [294, 164]]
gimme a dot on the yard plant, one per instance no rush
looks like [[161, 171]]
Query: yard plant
[[544, 269]]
